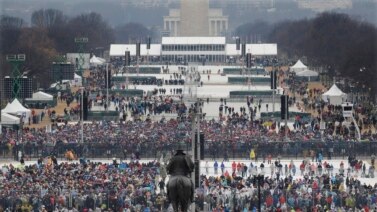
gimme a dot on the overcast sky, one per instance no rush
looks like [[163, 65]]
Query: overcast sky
[[117, 12]]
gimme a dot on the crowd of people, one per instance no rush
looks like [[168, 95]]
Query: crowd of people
[[135, 186], [316, 193], [242, 130], [314, 185], [49, 186]]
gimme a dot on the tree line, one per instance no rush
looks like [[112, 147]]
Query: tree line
[[51, 33], [335, 41], [341, 45]]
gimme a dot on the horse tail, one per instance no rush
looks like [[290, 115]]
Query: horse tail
[[180, 188], [182, 193]]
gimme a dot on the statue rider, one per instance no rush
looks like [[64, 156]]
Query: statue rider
[[181, 165]]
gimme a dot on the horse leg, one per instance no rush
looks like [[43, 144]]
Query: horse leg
[[184, 206], [175, 206]]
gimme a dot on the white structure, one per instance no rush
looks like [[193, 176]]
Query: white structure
[[218, 23], [172, 22], [257, 49], [192, 49], [16, 108], [7, 119], [190, 88], [247, 4], [73, 57], [42, 96], [195, 18], [334, 96], [307, 74], [95, 61], [118, 50], [298, 67], [347, 109], [77, 80], [323, 5]]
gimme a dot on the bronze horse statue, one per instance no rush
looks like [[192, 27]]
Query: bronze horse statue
[[180, 192], [180, 189]]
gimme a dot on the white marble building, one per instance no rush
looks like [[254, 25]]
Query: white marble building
[[190, 21]]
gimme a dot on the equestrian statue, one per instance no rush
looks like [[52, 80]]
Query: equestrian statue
[[180, 188]]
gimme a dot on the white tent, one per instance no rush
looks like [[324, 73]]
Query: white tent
[[298, 67], [308, 74], [42, 96], [94, 61], [103, 60], [77, 80], [334, 96], [8, 119], [16, 108]]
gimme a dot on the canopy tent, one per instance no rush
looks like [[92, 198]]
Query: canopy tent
[[94, 61], [103, 60], [42, 96], [308, 74], [7, 119], [298, 67], [77, 80], [334, 96], [16, 108], [53, 85]]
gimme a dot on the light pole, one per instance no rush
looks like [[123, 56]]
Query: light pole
[[274, 85], [249, 69], [193, 152], [260, 179], [82, 115], [1, 100], [107, 86]]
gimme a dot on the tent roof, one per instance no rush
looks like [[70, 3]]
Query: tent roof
[[101, 59], [307, 73], [117, 50], [15, 107], [9, 119], [299, 64], [255, 49], [42, 95], [77, 76], [193, 40], [96, 60], [334, 91]]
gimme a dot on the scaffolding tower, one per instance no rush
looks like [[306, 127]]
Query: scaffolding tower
[[80, 42], [190, 96], [192, 80], [16, 61]]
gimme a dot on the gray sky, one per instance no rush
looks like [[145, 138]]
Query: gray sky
[[150, 12]]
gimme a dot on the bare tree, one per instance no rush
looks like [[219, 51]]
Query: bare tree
[[48, 18], [131, 33], [92, 26], [11, 22]]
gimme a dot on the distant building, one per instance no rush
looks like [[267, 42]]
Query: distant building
[[172, 23], [192, 49], [323, 5], [244, 4], [146, 3], [195, 18]]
